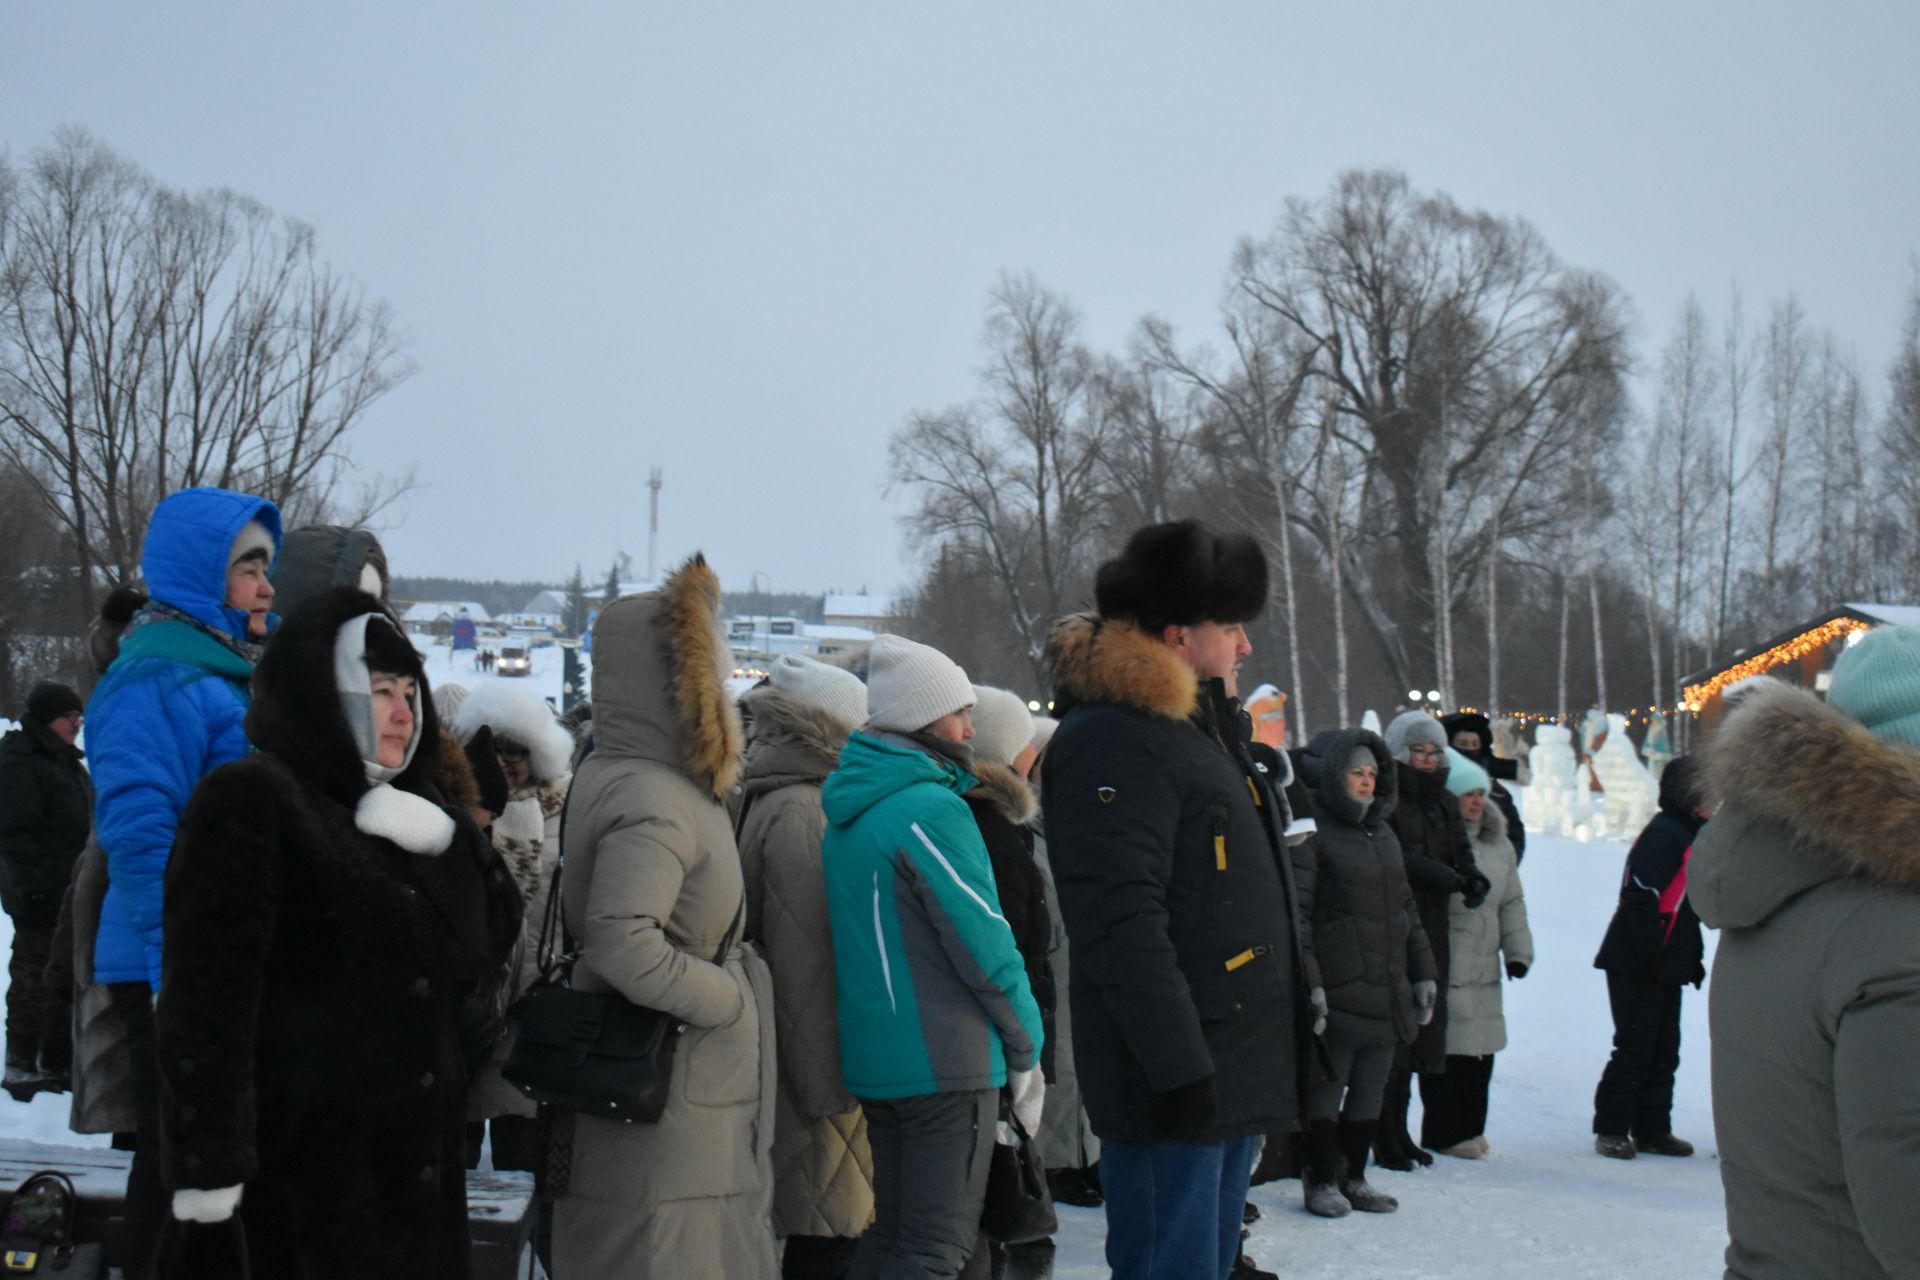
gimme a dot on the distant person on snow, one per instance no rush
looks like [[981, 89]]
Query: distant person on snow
[[1811, 871], [1652, 949], [1371, 953], [1488, 944], [46, 813]]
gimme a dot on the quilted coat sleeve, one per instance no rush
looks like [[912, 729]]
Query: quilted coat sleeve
[[222, 908], [161, 742], [796, 936], [1306, 879], [1876, 995], [1516, 938], [637, 874]]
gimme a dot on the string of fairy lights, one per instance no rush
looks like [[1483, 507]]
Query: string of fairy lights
[[1696, 696], [1573, 719]]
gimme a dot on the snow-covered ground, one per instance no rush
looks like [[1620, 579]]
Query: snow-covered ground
[[1543, 1204]]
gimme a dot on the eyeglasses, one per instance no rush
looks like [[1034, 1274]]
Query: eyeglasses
[[512, 755], [1425, 753]]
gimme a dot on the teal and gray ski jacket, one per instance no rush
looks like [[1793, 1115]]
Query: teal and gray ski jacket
[[931, 989]]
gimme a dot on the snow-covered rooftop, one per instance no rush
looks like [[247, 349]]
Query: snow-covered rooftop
[[1892, 615], [858, 607], [431, 610]]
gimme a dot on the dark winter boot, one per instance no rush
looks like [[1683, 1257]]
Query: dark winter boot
[[1394, 1147], [1664, 1145], [1320, 1174], [23, 1076], [1245, 1268], [1279, 1158], [1077, 1187], [1355, 1139]]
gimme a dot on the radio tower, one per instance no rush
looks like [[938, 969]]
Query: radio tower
[[653, 526]]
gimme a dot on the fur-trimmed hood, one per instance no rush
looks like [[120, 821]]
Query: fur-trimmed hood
[[514, 712], [1323, 770], [1806, 795], [660, 668], [790, 741], [1002, 788], [1491, 831], [1095, 659]]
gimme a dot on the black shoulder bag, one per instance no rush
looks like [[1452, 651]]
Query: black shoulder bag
[[594, 1053]]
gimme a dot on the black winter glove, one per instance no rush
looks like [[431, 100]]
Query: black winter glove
[[1516, 969], [1185, 1112], [1475, 890]]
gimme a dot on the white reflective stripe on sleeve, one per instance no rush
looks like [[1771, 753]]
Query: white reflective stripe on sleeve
[[880, 938], [964, 886]]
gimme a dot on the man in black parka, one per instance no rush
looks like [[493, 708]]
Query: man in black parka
[[1191, 1018], [46, 813], [1652, 949]]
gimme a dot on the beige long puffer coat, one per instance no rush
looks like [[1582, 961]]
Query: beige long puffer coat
[[1483, 939], [651, 888], [823, 1167]]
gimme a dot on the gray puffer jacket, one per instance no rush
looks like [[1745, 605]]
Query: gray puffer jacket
[[822, 1165], [1367, 940], [1811, 870]]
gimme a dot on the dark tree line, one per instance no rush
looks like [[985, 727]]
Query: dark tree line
[[1429, 419]]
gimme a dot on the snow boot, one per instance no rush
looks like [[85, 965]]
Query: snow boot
[[23, 1078], [1664, 1145], [1471, 1149], [1614, 1146], [1320, 1175], [1245, 1268], [1355, 1139], [1077, 1187], [1394, 1147]]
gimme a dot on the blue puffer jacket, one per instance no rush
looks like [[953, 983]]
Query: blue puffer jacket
[[169, 711]]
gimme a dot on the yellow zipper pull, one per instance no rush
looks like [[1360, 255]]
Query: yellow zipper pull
[[1219, 853], [1244, 958]]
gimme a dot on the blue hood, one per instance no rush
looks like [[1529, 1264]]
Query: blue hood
[[185, 557]]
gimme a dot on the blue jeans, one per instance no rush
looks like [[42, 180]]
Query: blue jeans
[[1173, 1206]]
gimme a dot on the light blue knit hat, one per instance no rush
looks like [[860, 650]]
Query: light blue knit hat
[[1877, 682], [1463, 775]]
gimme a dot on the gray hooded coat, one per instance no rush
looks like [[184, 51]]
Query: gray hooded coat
[[652, 885], [1811, 870], [823, 1167]]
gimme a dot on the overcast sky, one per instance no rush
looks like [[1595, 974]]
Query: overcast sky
[[743, 242]]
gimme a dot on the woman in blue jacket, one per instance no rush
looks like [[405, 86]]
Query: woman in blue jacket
[[170, 710]]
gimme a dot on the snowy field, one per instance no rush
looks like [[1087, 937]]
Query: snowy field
[[1542, 1204]]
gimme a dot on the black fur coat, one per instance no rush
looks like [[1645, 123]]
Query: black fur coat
[[308, 1019]]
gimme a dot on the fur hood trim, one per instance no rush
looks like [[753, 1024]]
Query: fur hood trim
[[698, 652], [513, 711], [780, 723], [1785, 756], [1002, 788], [1095, 659]]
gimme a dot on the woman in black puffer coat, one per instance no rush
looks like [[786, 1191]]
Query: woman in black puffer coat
[[1439, 858], [1372, 956]]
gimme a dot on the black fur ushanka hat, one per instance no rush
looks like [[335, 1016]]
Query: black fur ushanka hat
[[1182, 573]]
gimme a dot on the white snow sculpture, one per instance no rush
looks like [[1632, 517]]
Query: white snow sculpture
[[1550, 796], [1632, 796]]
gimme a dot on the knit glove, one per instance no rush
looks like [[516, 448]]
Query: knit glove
[[1185, 1113], [1027, 1093], [1516, 969], [1475, 890], [1423, 996], [1318, 999]]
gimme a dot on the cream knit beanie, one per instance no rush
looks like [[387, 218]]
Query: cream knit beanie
[[910, 685], [1002, 725], [815, 684]]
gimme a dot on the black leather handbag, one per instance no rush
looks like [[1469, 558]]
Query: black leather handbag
[[1018, 1207], [37, 1230], [592, 1052]]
